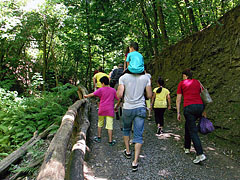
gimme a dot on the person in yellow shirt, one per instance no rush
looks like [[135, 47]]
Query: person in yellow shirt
[[96, 78], [161, 100]]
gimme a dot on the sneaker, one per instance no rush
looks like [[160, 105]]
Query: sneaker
[[186, 151], [199, 158], [159, 131], [97, 139], [112, 143], [128, 156], [134, 168]]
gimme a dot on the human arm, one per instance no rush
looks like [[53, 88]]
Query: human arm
[[89, 95], [120, 91], [169, 101], [149, 92], [178, 103], [153, 99], [117, 105]]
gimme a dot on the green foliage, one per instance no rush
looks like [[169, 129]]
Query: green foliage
[[21, 117]]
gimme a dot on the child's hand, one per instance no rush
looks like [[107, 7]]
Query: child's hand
[[85, 96]]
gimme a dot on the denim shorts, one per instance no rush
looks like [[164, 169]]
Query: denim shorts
[[135, 117]]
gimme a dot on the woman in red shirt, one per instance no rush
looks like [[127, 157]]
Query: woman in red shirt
[[190, 89]]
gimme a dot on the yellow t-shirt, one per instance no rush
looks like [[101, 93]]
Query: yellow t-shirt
[[98, 76], [161, 98]]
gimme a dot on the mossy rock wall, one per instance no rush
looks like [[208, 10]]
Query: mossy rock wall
[[214, 56]]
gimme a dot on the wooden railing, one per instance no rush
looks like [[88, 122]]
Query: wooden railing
[[53, 163], [53, 166]]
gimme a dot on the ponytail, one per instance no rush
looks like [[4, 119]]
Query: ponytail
[[159, 90], [161, 83]]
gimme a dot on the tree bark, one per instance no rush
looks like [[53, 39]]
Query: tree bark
[[191, 16], [53, 167], [148, 21], [89, 68], [79, 149], [185, 29], [162, 23], [44, 51]]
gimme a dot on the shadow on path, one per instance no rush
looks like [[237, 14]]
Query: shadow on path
[[162, 158]]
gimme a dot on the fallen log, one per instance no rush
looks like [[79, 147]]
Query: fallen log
[[53, 167], [16, 155], [79, 149]]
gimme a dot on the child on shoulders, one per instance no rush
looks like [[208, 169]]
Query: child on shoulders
[[135, 62]]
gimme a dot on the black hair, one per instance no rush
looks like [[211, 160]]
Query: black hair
[[104, 80], [188, 73], [161, 83], [127, 50], [134, 45], [100, 69]]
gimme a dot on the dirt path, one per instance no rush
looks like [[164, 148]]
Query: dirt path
[[161, 158]]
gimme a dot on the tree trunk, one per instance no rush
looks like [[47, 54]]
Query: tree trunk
[[191, 16], [156, 33], [162, 23], [55, 66], [44, 51], [89, 68], [186, 30]]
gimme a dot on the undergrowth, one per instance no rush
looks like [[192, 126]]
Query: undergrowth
[[20, 117]]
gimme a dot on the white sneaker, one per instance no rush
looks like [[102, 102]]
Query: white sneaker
[[199, 158], [186, 151]]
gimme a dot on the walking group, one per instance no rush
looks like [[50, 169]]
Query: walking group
[[130, 85]]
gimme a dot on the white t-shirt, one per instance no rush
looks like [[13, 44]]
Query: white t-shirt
[[134, 86]]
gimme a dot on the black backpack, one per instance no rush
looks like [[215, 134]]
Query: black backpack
[[116, 74]]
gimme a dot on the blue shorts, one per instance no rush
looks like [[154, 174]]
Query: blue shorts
[[135, 117]]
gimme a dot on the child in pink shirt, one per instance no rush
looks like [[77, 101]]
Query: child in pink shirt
[[106, 108]]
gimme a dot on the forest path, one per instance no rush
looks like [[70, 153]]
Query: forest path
[[161, 158]]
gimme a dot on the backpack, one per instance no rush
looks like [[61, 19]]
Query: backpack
[[116, 74]]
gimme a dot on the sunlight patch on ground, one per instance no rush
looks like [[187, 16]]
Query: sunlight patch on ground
[[163, 173], [89, 175], [210, 149], [168, 135]]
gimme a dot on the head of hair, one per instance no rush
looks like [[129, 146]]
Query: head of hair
[[188, 73], [120, 65], [100, 69], [127, 50], [161, 83], [134, 45], [104, 80]]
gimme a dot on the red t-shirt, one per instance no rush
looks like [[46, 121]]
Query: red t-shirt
[[190, 89]]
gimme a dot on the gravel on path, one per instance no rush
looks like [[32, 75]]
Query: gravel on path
[[161, 158]]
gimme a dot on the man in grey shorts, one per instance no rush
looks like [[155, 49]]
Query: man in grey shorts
[[134, 111]]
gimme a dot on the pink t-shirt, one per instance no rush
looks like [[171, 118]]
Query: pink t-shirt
[[106, 95], [190, 89]]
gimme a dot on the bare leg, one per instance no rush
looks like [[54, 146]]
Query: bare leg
[[138, 147], [99, 131], [126, 142], [110, 132]]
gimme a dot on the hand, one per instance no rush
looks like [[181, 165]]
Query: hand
[[85, 96], [169, 107], [179, 117], [116, 109]]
